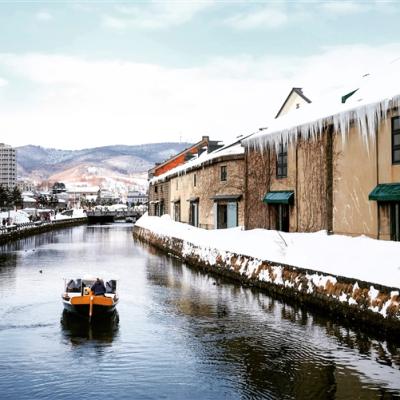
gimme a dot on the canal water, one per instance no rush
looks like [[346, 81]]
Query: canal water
[[180, 334]]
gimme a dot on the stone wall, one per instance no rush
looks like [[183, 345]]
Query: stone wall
[[309, 176], [209, 184], [376, 307], [19, 232], [159, 192]]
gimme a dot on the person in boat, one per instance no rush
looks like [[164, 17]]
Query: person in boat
[[98, 288]]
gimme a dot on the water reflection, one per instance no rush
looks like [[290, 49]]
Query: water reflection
[[79, 330], [270, 347], [183, 333]]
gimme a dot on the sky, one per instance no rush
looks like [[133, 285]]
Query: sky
[[79, 74]]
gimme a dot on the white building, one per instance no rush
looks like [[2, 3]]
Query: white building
[[8, 166], [75, 194], [135, 197], [109, 197]]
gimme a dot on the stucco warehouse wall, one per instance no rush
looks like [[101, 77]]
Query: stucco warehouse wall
[[361, 165], [355, 178], [376, 306]]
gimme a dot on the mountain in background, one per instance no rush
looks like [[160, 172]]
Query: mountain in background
[[111, 167]]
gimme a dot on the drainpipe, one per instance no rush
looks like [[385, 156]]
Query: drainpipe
[[245, 197], [377, 179], [329, 180], [296, 199]]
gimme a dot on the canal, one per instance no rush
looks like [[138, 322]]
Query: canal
[[181, 334]]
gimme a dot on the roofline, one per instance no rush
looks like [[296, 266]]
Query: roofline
[[204, 139], [297, 91], [212, 161]]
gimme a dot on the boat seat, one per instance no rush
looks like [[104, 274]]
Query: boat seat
[[111, 286], [73, 287]]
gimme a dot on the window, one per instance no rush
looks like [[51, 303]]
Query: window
[[177, 211], [281, 161], [224, 173], [226, 214], [194, 179], [222, 216], [395, 221], [396, 140], [194, 213], [155, 189]]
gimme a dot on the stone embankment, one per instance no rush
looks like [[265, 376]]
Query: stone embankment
[[375, 307], [19, 231]]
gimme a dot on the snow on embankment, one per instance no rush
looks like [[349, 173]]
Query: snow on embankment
[[359, 273], [17, 217], [358, 258]]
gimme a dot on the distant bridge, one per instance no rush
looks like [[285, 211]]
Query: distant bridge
[[111, 216]]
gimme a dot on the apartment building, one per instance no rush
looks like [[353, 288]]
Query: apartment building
[[8, 166]]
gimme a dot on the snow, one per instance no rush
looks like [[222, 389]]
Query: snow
[[27, 199], [83, 189], [360, 258], [230, 149], [76, 213], [117, 207], [17, 217], [376, 94]]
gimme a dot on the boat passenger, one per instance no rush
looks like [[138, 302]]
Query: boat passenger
[[98, 288]]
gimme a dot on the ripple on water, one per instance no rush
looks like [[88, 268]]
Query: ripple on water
[[179, 335]]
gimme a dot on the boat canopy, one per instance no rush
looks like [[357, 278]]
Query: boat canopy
[[77, 285]]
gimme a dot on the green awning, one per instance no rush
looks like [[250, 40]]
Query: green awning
[[279, 197], [386, 192]]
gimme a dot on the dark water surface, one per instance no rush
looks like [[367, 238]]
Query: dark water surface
[[180, 335]]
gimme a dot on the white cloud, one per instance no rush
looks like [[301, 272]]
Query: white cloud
[[279, 14], [114, 23], [43, 16], [78, 103], [266, 17], [344, 7], [155, 15], [3, 82]]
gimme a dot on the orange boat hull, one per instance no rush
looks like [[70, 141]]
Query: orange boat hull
[[90, 305]]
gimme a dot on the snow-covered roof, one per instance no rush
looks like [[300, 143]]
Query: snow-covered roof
[[83, 189], [27, 199], [233, 148], [376, 94]]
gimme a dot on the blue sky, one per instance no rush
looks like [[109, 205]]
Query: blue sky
[[79, 74]]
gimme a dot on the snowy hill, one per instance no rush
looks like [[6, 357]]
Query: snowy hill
[[116, 168], [37, 162]]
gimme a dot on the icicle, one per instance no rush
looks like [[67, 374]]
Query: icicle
[[367, 119]]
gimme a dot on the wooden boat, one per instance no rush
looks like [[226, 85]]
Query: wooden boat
[[79, 298]]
